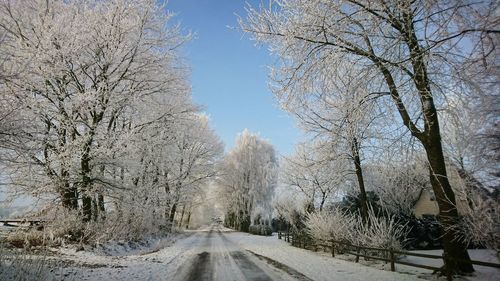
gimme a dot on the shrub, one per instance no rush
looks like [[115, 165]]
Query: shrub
[[20, 265], [380, 232], [265, 230], [334, 224], [480, 224], [423, 233], [26, 238]]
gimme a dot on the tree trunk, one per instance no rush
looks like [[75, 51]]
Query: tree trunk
[[182, 216], [95, 211], [100, 199], [361, 182], [172, 213], [448, 213], [188, 220], [87, 208], [100, 203], [431, 139], [86, 185], [69, 193], [323, 199]]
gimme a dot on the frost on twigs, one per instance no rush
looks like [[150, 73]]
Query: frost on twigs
[[381, 231], [248, 177], [17, 265], [332, 224], [481, 223], [98, 117]]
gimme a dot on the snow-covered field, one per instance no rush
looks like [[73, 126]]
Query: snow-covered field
[[217, 253]]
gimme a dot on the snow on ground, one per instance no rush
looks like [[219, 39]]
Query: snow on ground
[[482, 273], [321, 265], [158, 265], [314, 265], [231, 255]]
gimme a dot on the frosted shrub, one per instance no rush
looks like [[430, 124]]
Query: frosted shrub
[[288, 209], [62, 226], [26, 238], [381, 232], [66, 226], [20, 266], [333, 224], [132, 224], [481, 223]]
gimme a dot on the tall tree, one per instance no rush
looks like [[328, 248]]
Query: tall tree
[[84, 63], [247, 180], [190, 165], [412, 50]]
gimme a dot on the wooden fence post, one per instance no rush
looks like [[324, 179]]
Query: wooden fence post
[[393, 267], [333, 248]]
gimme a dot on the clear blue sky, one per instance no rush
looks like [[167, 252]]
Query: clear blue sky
[[229, 74]]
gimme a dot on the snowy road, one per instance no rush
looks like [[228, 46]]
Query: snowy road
[[216, 257]]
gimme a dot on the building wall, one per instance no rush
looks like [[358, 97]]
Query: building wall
[[426, 204]]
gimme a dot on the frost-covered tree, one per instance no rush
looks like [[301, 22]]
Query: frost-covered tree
[[190, 165], [248, 176], [398, 184], [413, 51], [102, 118], [340, 111], [471, 140], [315, 174]]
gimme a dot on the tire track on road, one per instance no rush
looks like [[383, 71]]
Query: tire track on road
[[292, 272]]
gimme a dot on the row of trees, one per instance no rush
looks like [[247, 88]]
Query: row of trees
[[96, 111], [367, 78]]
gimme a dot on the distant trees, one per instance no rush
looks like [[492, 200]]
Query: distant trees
[[99, 110], [412, 53], [189, 163], [315, 174], [247, 181]]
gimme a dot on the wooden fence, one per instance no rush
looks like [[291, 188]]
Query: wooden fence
[[387, 255], [17, 222]]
